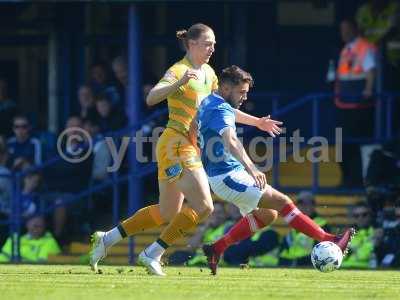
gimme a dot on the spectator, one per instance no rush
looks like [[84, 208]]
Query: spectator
[[64, 179], [109, 119], [101, 153], [361, 250], [5, 180], [6, 188], [354, 98], [384, 166], [100, 84], [212, 229], [29, 197], [22, 145], [388, 251], [256, 249], [30, 193], [383, 176], [260, 250], [379, 20], [8, 109], [86, 102], [296, 247], [120, 69], [35, 246]]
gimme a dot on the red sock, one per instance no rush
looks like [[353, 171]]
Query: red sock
[[301, 222], [242, 230]]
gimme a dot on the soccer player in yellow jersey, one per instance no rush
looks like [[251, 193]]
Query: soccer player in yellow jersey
[[180, 172]]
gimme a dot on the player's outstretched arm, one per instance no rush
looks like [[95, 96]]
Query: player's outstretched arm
[[163, 89], [235, 147], [264, 123]]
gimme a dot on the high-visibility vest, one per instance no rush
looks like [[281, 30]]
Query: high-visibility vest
[[351, 77], [209, 236], [32, 250], [269, 259], [300, 245], [375, 27], [362, 249], [351, 60]]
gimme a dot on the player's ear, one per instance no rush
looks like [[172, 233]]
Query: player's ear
[[225, 88]]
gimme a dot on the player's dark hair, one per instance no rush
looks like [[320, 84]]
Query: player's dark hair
[[193, 33], [234, 75]]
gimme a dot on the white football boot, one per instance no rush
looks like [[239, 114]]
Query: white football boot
[[98, 251], [152, 265]]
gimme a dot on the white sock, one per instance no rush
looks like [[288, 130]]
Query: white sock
[[112, 237], [155, 251]]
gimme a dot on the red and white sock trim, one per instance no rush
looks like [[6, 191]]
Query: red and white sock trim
[[291, 215], [252, 223]]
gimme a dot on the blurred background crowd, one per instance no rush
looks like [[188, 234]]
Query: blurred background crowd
[[357, 66]]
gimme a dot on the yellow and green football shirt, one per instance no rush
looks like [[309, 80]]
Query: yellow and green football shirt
[[183, 104]]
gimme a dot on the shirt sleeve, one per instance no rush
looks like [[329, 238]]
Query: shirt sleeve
[[169, 77], [221, 119], [369, 61]]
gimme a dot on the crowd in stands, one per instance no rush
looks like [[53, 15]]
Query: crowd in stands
[[46, 193]]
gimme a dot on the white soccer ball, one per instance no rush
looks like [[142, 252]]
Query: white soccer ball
[[326, 257]]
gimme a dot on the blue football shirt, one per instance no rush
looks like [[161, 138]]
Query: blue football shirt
[[215, 115]]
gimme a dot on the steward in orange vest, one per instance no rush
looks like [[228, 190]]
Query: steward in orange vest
[[355, 72]]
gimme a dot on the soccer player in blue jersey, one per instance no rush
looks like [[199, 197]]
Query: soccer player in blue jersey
[[234, 177]]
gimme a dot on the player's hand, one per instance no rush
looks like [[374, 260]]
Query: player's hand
[[269, 125], [259, 178], [189, 74]]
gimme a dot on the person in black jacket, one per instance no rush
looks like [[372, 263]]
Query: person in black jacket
[[109, 118], [65, 179], [383, 176]]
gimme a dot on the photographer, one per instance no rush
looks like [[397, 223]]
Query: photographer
[[383, 177], [361, 252], [388, 252]]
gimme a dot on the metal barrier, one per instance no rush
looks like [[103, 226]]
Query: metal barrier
[[383, 128], [383, 132]]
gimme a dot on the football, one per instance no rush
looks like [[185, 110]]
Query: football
[[326, 257]]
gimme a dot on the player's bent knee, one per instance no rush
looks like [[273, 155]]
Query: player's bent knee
[[286, 199], [167, 215], [267, 216], [205, 211]]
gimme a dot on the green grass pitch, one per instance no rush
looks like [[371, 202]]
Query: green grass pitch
[[78, 282]]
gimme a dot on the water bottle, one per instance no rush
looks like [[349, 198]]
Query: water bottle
[[331, 74]]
